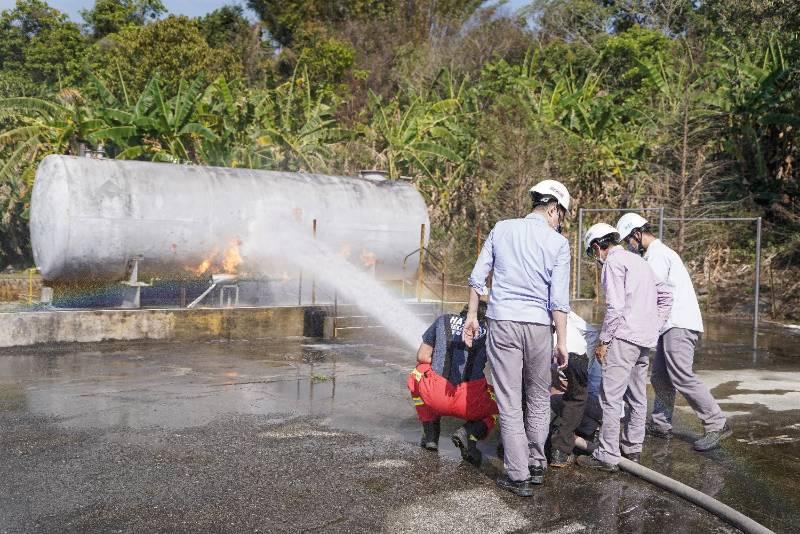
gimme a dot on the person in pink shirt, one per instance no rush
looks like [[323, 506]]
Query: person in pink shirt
[[637, 306]]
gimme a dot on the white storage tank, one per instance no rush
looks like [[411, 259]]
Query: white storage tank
[[89, 218]]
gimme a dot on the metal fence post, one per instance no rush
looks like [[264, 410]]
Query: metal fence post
[[579, 252], [300, 288], [661, 223], [314, 278], [421, 266], [335, 310], [758, 282]]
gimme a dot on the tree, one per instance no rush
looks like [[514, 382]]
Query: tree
[[154, 128], [40, 49], [174, 47], [111, 16], [294, 129], [37, 127], [228, 29]]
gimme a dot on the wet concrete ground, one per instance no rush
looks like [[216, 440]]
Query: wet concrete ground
[[296, 435]]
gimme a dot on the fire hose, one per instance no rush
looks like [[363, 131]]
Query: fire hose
[[723, 511]]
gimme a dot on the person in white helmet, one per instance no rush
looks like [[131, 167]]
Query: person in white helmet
[[636, 307], [529, 294], [672, 365]]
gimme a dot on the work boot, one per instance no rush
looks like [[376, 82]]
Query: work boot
[[560, 459], [430, 435], [632, 456], [712, 439], [520, 488], [593, 463], [537, 474], [467, 443], [651, 429]]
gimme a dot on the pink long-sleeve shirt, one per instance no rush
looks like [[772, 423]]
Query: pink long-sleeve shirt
[[637, 305]]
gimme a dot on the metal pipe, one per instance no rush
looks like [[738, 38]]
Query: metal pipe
[[300, 288], [620, 209], [580, 254], [723, 511], [314, 278], [196, 301], [30, 285], [444, 285], [712, 219], [420, 267], [335, 310], [758, 283]]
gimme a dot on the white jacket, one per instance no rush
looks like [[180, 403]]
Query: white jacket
[[669, 268]]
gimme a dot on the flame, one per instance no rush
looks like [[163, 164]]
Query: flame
[[204, 265], [228, 263], [368, 259], [232, 259]]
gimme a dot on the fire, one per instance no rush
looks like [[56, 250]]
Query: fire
[[204, 265], [232, 259], [368, 259], [228, 263]]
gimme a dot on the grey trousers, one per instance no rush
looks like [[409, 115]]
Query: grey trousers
[[672, 371], [624, 384], [520, 355]]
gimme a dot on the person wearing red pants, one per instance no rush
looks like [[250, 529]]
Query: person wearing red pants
[[449, 381]]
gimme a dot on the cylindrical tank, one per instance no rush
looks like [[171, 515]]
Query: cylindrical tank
[[89, 218]]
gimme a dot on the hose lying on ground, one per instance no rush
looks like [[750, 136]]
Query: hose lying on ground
[[723, 511]]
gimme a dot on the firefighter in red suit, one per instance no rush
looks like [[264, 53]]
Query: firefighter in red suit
[[449, 381]]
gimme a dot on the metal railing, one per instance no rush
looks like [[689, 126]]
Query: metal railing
[[661, 220]]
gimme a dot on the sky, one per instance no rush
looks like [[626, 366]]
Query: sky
[[179, 7], [191, 8]]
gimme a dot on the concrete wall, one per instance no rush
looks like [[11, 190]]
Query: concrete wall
[[31, 328]]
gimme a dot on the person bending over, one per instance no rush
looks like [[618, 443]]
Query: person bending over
[[449, 381]]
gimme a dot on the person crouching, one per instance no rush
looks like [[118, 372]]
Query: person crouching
[[449, 380]]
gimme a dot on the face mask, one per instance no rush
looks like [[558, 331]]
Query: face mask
[[599, 261], [635, 246]]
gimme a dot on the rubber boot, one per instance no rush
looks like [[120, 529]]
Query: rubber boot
[[466, 439], [430, 435]]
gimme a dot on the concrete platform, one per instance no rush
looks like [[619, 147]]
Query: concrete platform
[[199, 324]]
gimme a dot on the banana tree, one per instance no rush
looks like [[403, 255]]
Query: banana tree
[[154, 128], [295, 129]]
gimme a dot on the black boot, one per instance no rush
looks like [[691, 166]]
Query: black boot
[[430, 435], [466, 439]]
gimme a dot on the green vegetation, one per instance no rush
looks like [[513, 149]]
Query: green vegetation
[[693, 106]]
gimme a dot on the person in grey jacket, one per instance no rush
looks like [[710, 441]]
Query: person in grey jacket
[[637, 305], [530, 293]]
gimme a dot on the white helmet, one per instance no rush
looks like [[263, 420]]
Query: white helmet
[[598, 231], [628, 223], [553, 189]]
